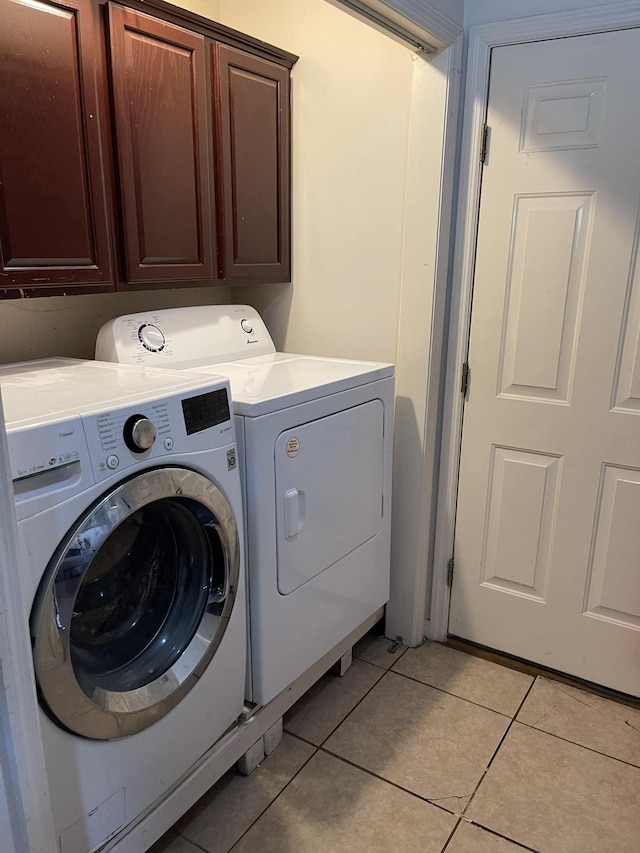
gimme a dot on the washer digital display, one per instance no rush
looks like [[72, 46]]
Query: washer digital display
[[205, 410]]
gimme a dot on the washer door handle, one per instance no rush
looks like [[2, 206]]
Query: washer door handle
[[294, 512]]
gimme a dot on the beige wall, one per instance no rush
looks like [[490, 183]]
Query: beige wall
[[206, 8], [351, 98], [68, 325]]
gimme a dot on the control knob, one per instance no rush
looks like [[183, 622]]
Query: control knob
[[139, 433], [151, 337]]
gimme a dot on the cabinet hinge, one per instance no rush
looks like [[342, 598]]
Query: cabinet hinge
[[450, 565], [464, 378], [483, 142]]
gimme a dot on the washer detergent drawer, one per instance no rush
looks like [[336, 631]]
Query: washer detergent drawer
[[329, 478]]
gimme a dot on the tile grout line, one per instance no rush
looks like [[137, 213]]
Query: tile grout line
[[451, 834], [518, 844], [299, 737], [579, 745], [189, 841], [416, 681], [336, 727], [348, 714], [498, 747], [460, 817], [388, 781], [385, 668], [280, 792], [455, 695]]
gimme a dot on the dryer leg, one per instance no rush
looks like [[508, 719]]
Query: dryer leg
[[264, 746], [252, 758], [273, 737], [341, 667]]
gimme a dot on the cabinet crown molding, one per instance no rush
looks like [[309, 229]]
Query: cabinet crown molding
[[209, 28]]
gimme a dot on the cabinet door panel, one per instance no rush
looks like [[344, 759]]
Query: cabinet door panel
[[159, 81], [53, 220], [253, 167]]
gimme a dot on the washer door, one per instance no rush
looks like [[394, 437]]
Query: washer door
[[135, 602]]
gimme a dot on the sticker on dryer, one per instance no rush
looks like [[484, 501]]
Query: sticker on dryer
[[293, 447]]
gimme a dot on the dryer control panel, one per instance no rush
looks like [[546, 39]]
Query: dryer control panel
[[185, 337]]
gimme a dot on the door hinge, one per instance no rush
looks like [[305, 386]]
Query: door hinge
[[450, 565], [464, 379], [483, 142]]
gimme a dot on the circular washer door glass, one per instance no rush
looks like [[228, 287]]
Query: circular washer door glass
[[135, 603]]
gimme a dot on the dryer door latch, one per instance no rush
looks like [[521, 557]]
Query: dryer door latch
[[294, 512]]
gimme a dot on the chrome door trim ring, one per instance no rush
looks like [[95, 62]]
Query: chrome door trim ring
[[108, 714]]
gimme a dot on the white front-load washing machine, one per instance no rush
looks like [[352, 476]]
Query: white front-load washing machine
[[129, 510], [316, 439]]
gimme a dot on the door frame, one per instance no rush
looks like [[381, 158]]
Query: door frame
[[482, 39]]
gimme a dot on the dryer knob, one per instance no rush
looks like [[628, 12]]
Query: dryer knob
[[151, 337], [139, 433]]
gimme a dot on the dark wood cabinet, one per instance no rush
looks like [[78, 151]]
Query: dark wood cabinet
[[139, 150], [54, 233], [252, 147], [160, 112]]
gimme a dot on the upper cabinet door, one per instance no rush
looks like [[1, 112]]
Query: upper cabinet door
[[53, 222], [161, 130], [252, 166]]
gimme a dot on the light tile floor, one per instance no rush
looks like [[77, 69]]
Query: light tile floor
[[428, 750]]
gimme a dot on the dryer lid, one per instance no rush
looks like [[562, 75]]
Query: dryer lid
[[273, 382], [231, 341]]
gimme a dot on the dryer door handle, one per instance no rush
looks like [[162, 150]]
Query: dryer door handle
[[294, 512]]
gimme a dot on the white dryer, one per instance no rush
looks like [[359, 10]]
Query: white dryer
[[129, 509], [316, 437]]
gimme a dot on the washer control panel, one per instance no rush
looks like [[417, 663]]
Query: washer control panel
[[46, 449], [158, 429], [139, 433]]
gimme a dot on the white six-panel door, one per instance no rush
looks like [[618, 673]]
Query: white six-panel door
[[547, 548]]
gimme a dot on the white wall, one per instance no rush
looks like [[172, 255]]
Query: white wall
[[490, 11], [453, 9]]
